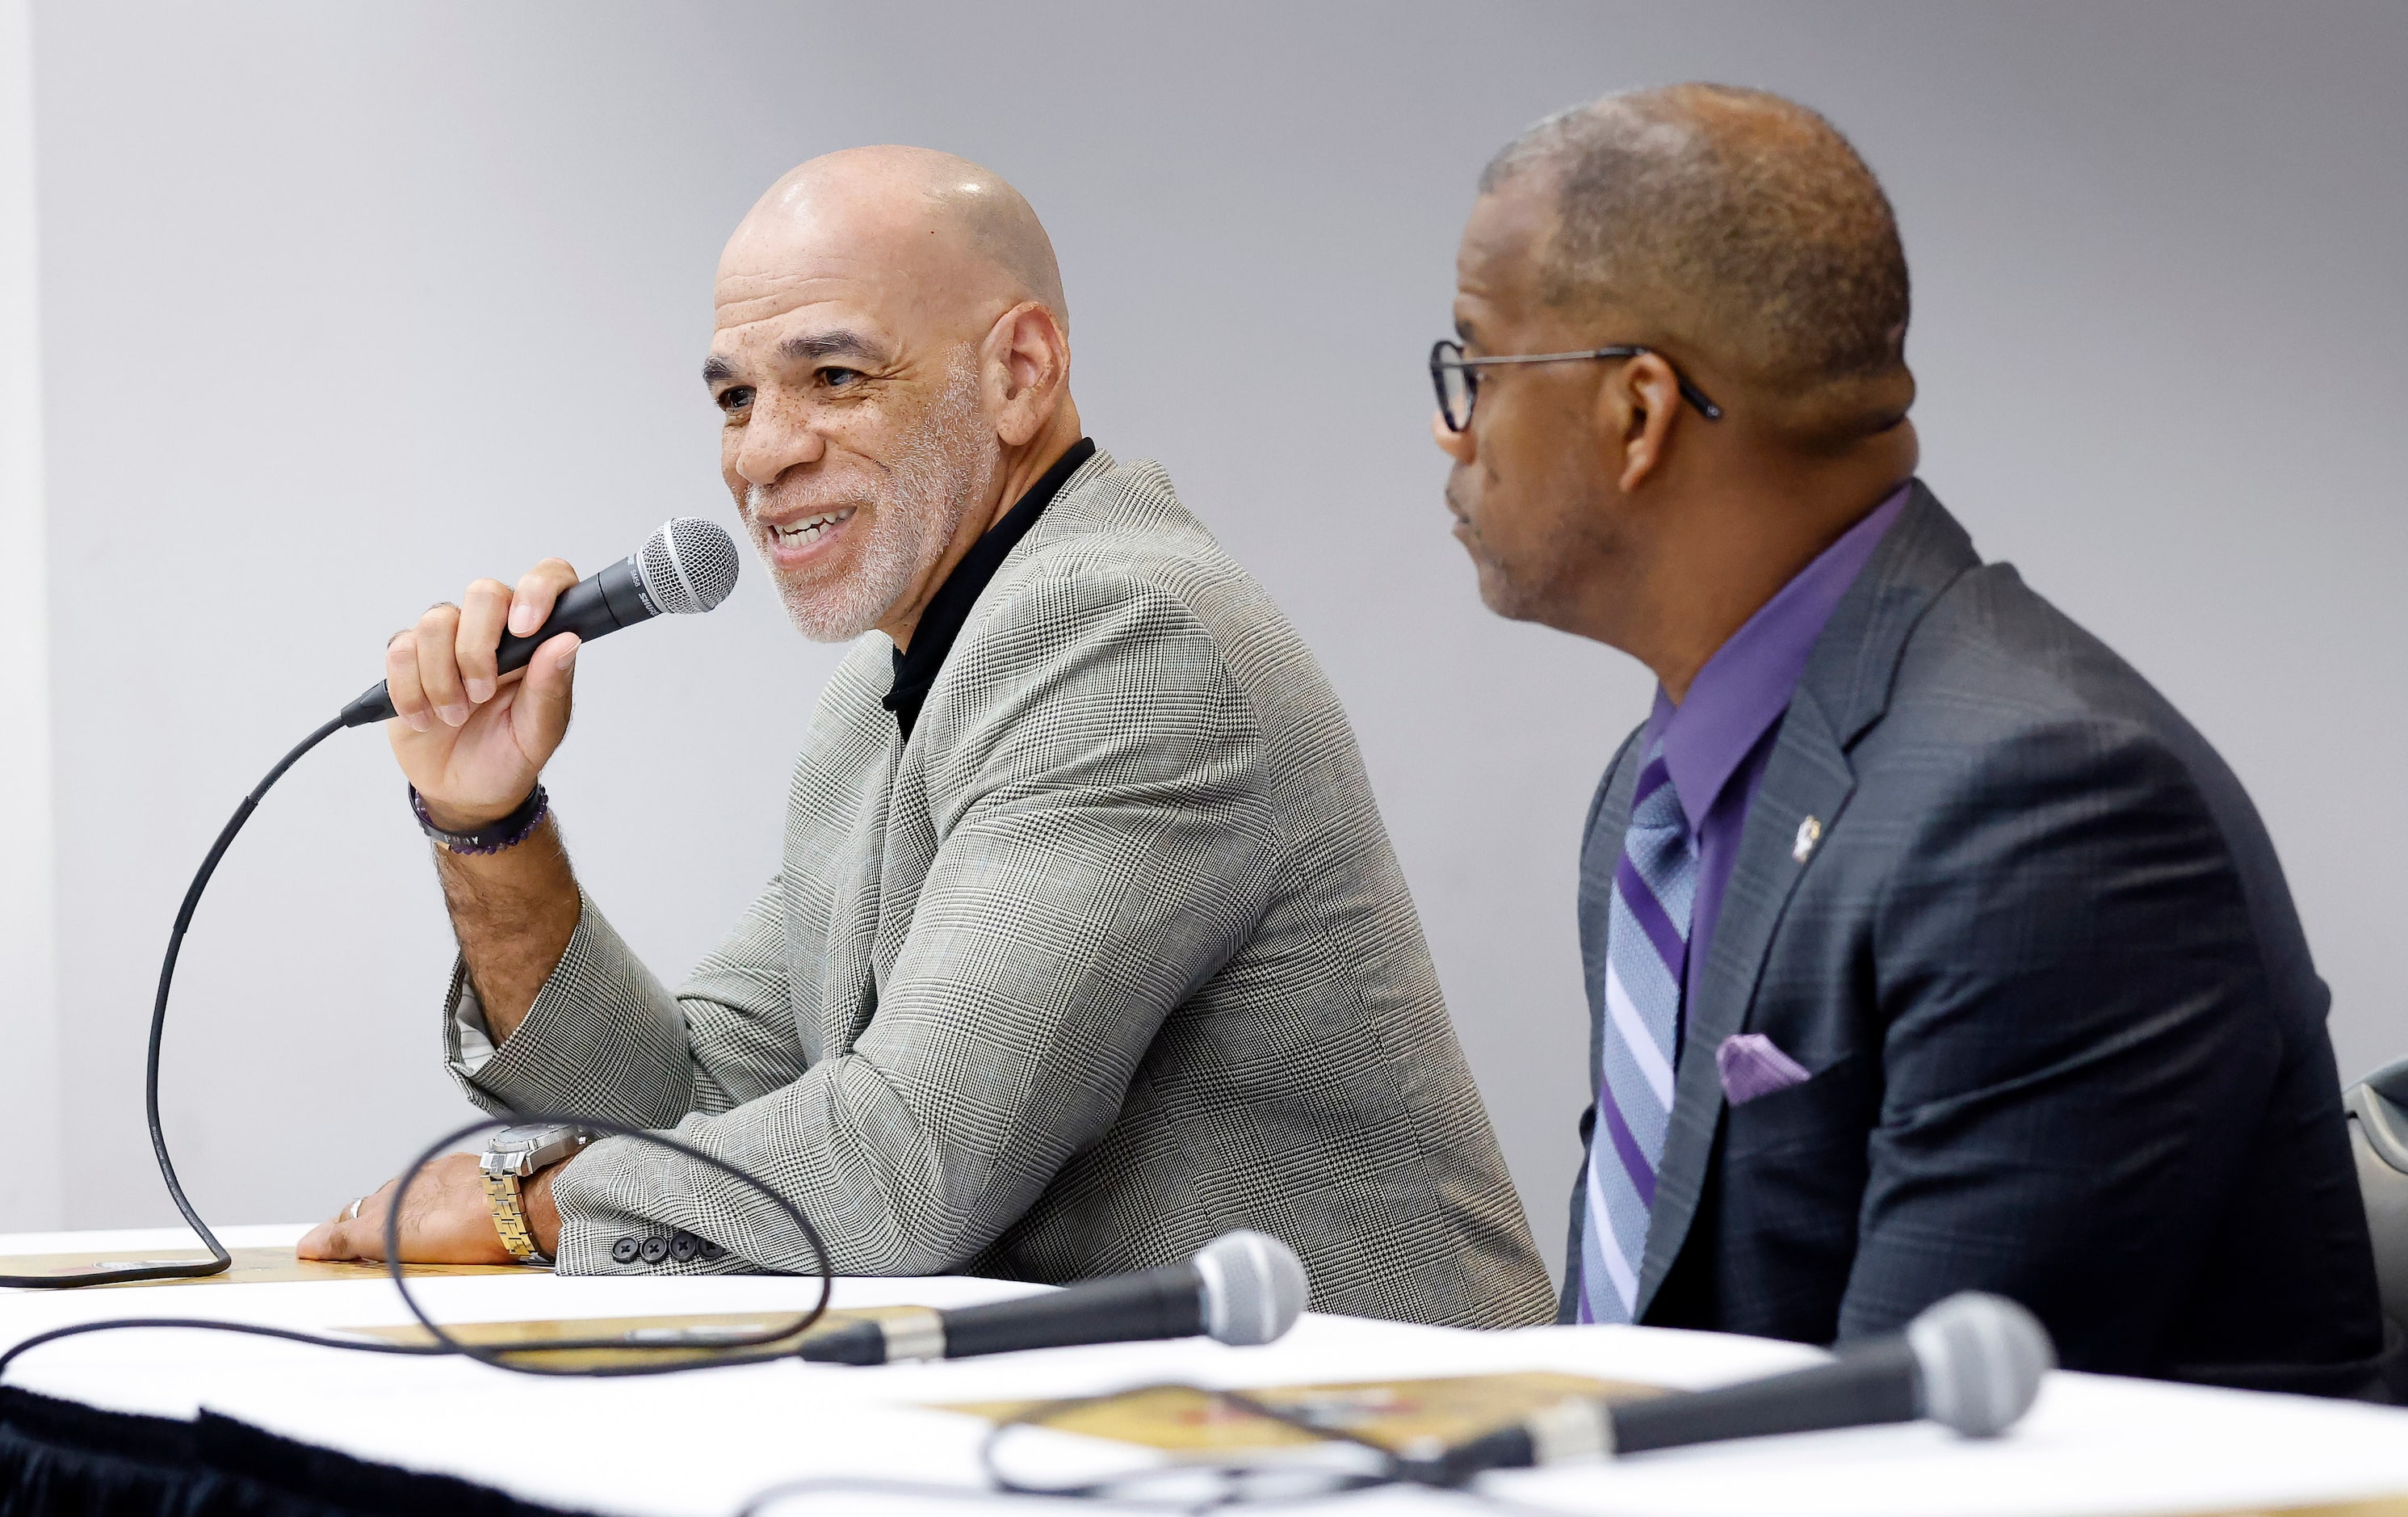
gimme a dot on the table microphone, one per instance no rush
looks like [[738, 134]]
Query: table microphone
[[1245, 1288], [688, 566], [1972, 1363]]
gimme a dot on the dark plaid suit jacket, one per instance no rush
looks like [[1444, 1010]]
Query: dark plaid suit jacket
[[2066, 1042]]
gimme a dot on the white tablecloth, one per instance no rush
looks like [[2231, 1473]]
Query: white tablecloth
[[702, 1443]]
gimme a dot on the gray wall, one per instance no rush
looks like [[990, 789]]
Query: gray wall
[[342, 305], [29, 1075]]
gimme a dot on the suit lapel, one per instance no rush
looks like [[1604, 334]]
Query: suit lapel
[[1843, 692]]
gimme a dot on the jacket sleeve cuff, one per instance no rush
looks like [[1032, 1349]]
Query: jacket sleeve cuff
[[603, 1039], [603, 1232]]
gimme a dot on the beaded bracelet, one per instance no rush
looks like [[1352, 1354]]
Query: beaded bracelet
[[509, 833]]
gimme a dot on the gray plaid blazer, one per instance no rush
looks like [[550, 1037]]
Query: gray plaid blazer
[[1111, 957]]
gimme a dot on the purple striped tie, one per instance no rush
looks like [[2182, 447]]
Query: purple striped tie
[[1646, 962]]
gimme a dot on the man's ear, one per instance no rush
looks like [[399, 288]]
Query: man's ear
[[1638, 408], [1027, 371]]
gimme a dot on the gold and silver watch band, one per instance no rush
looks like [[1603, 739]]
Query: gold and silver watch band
[[514, 1155], [509, 1217]]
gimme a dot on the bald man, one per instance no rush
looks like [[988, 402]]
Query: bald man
[[1088, 946], [1928, 947]]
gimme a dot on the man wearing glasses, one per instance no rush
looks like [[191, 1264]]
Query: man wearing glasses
[[1927, 947]]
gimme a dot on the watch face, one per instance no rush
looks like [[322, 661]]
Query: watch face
[[514, 1139]]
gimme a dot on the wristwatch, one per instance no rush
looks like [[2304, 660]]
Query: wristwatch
[[511, 1155]]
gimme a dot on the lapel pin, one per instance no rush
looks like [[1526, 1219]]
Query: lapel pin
[[1810, 833]]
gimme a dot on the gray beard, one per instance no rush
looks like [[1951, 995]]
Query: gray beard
[[943, 467]]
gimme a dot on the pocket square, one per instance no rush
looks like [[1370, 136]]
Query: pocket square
[[1752, 1064]]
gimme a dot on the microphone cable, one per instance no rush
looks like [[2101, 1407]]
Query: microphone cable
[[505, 1357], [1231, 1482], [1227, 1482], [687, 567], [500, 1357], [218, 1260]]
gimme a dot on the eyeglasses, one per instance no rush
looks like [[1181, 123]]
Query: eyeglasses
[[1456, 379]]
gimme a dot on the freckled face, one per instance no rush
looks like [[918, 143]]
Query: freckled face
[[853, 442], [1527, 485]]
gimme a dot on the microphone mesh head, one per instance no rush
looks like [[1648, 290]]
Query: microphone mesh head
[[1981, 1357], [688, 566], [1254, 1287]]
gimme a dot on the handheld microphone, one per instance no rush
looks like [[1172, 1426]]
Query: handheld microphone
[[1972, 1363], [1243, 1287], [688, 566]]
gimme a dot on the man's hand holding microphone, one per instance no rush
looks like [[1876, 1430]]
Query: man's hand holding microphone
[[475, 701], [472, 740]]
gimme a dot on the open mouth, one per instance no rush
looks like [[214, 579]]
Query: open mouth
[[802, 534]]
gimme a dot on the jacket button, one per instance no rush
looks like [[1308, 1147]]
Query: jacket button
[[626, 1249], [710, 1249], [686, 1248], [656, 1248]]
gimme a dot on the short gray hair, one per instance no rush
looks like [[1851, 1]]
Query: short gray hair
[[1739, 221]]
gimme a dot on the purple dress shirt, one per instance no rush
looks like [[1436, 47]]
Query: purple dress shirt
[[1716, 742]]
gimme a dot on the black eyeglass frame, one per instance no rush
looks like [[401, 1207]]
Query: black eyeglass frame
[[1470, 368]]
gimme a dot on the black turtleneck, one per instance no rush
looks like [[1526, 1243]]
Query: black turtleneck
[[915, 668]]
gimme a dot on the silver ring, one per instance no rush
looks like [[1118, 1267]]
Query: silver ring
[[353, 1215]]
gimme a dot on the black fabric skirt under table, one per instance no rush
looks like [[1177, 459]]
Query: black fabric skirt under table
[[65, 1459]]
